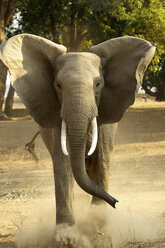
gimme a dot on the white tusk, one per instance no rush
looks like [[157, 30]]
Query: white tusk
[[63, 138], [94, 136]]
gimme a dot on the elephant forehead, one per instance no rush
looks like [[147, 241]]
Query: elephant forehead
[[78, 63]]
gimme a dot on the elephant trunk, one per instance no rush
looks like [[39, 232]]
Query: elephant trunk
[[77, 134]]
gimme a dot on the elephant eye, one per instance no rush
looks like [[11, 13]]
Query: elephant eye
[[97, 84], [59, 86]]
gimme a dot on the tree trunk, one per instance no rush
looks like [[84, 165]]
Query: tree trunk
[[73, 28], [6, 12], [9, 102], [54, 32], [3, 73], [161, 93]]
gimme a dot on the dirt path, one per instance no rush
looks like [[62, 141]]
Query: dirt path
[[137, 180]]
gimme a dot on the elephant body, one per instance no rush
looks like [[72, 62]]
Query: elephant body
[[97, 166], [77, 99]]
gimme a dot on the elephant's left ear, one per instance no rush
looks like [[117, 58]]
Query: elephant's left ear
[[125, 60], [29, 59]]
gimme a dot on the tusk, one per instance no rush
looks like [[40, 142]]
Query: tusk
[[63, 138], [94, 136]]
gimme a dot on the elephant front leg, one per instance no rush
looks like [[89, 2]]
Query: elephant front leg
[[100, 161], [63, 190], [62, 175], [63, 181]]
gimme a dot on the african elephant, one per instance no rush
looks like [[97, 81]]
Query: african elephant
[[77, 98]]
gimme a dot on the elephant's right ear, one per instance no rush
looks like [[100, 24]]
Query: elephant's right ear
[[125, 60], [28, 58]]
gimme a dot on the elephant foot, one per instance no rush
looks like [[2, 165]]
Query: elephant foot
[[70, 237]]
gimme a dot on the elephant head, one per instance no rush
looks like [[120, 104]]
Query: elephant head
[[73, 89]]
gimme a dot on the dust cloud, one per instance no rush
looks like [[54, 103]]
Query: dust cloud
[[96, 226]]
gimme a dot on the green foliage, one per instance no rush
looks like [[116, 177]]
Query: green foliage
[[35, 17], [79, 24], [108, 20], [146, 19]]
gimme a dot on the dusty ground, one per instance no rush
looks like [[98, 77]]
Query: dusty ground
[[137, 181]]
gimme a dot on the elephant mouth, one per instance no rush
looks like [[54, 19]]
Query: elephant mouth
[[94, 129]]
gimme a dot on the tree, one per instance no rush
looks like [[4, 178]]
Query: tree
[[9, 101], [57, 20], [44, 18], [71, 22], [6, 12], [156, 80], [146, 19]]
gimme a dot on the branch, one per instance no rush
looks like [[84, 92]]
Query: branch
[[30, 147], [9, 12]]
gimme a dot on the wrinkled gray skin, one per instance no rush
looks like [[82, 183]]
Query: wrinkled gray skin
[[79, 94], [77, 87]]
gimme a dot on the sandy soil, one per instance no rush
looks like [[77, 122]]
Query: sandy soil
[[27, 208]]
